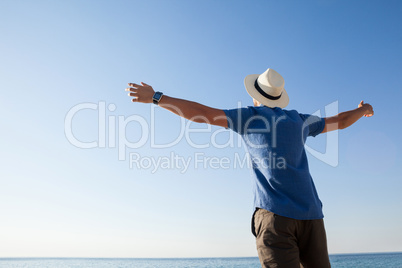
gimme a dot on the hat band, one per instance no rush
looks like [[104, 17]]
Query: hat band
[[263, 93]]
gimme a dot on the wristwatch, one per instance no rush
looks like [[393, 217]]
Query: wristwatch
[[157, 97]]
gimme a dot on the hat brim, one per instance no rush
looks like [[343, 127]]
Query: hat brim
[[249, 81]]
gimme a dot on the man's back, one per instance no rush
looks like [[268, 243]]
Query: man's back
[[275, 139]]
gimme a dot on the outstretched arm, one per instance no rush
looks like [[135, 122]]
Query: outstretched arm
[[346, 119], [188, 109]]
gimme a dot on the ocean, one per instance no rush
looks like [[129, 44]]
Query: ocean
[[389, 260]]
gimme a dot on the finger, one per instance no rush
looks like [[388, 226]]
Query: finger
[[133, 94], [135, 100], [134, 85], [361, 103], [132, 89], [142, 83]]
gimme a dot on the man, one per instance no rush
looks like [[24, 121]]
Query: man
[[288, 219]]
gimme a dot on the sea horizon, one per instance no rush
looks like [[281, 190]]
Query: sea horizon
[[338, 260], [228, 257]]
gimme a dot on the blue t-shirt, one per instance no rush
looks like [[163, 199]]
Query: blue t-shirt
[[274, 140]]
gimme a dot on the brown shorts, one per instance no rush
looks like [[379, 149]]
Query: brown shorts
[[288, 243]]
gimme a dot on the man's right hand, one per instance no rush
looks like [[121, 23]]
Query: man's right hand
[[141, 93], [187, 109], [367, 108]]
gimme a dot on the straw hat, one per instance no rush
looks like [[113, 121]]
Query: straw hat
[[267, 88]]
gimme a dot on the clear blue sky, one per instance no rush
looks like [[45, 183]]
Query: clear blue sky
[[58, 200]]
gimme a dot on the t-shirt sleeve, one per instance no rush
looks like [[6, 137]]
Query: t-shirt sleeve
[[314, 123], [237, 118]]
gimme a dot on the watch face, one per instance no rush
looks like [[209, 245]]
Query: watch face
[[157, 95]]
